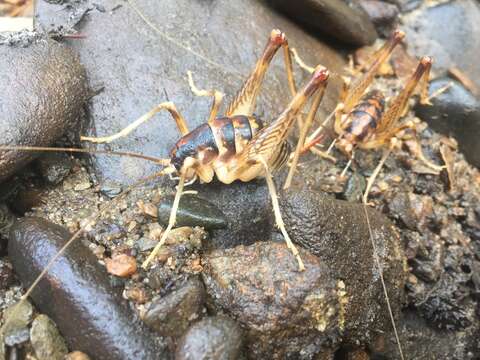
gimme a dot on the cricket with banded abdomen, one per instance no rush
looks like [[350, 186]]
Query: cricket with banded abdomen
[[233, 147]]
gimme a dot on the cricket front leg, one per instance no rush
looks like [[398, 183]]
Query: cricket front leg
[[303, 135], [171, 221], [169, 106]]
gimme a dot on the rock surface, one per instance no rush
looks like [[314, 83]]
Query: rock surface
[[342, 20], [44, 91], [77, 294], [213, 338], [138, 68], [285, 312], [448, 32], [455, 112], [336, 231], [172, 314]]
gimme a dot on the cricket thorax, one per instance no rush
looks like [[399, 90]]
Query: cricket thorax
[[364, 118], [221, 139]]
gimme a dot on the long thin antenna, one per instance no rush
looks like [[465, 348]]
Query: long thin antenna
[[163, 162], [179, 44], [380, 271]]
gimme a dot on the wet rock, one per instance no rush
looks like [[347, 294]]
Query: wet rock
[[336, 231], [429, 258], [6, 221], [420, 341], [448, 32], [346, 22], [154, 69], [172, 314], [192, 211], [54, 167], [413, 210], [381, 13], [444, 312], [46, 340], [77, 294], [17, 319], [45, 89], [285, 312], [247, 208], [455, 112], [213, 338]]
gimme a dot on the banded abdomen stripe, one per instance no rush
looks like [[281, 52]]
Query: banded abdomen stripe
[[222, 139]]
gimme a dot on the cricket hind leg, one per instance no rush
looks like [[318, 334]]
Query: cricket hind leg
[[169, 106], [278, 215], [244, 102], [171, 221], [357, 88], [303, 135]]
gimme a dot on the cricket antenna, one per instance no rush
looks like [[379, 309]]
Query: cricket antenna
[[159, 161], [382, 280]]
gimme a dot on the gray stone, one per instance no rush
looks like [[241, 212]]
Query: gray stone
[[192, 211], [213, 338], [44, 91], [172, 314], [17, 319], [344, 21], [455, 112], [47, 342], [449, 32]]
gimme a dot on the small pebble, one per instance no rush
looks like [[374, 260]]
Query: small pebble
[[82, 186], [77, 355], [172, 314], [121, 265], [47, 342], [192, 211], [17, 318], [214, 338]]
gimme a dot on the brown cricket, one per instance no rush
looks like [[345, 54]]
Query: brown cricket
[[232, 147], [362, 120]]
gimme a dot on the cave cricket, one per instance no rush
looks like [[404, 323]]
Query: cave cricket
[[361, 119]]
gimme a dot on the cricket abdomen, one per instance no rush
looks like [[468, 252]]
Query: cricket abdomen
[[364, 118], [220, 140]]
